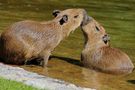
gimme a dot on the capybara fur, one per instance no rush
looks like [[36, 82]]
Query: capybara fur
[[26, 40], [97, 53]]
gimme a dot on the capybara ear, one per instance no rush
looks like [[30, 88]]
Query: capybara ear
[[56, 12], [106, 38], [64, 19]]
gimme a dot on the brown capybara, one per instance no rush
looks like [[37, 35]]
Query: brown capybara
[[97, 53], [26, 40]]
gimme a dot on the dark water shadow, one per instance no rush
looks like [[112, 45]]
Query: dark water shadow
[[131, 81], [69, 60], [37, 61]]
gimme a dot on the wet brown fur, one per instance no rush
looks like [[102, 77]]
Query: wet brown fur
[[28, 39], [100, 56]]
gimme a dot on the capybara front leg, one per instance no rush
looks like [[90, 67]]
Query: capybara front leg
[[46, 57], [25, 62]]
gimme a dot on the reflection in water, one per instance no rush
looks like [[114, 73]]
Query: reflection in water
[[131, 81], [74, 72], [70, 60], [91, 76]]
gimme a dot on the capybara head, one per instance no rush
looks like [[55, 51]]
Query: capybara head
[[95, 32], [72, 18]]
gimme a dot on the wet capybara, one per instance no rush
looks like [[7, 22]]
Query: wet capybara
[[26, 40], [97, 53]]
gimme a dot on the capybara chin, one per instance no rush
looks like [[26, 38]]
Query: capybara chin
[[26, 40], [97, 54]]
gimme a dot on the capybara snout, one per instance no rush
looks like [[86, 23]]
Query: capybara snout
[[86, 18]]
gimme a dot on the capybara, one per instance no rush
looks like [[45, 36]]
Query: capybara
[[26, 40], [97, 53]]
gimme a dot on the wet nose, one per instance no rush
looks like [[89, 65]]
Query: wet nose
[[86, 18], [84, 11]]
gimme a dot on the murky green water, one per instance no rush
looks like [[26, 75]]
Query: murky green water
[[67, 71], [117, 16]]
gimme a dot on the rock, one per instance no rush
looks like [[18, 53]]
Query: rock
[[35, 80]]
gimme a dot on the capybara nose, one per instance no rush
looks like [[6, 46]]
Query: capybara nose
[[84, 11], [85, 14], [86, 18]]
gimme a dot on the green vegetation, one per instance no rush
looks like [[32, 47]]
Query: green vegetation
[[13, 85], [117, 16]]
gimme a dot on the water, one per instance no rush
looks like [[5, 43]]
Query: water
[[118, 18], [64, 70]]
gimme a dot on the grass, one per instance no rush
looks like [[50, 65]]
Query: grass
[[13, 85]]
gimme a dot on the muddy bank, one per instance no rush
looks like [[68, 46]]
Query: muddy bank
[[35, 80]]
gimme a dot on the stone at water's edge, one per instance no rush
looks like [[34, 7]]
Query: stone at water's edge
[[35, 80]]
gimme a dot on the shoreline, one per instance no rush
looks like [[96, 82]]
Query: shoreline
[[33, 79]]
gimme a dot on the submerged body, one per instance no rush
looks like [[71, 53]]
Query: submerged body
[[26, 40], [97, 54]]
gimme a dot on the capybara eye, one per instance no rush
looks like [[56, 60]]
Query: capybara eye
[[97, 28], [76, 16]]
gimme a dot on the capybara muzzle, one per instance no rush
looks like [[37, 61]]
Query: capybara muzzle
[[86, 18]]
